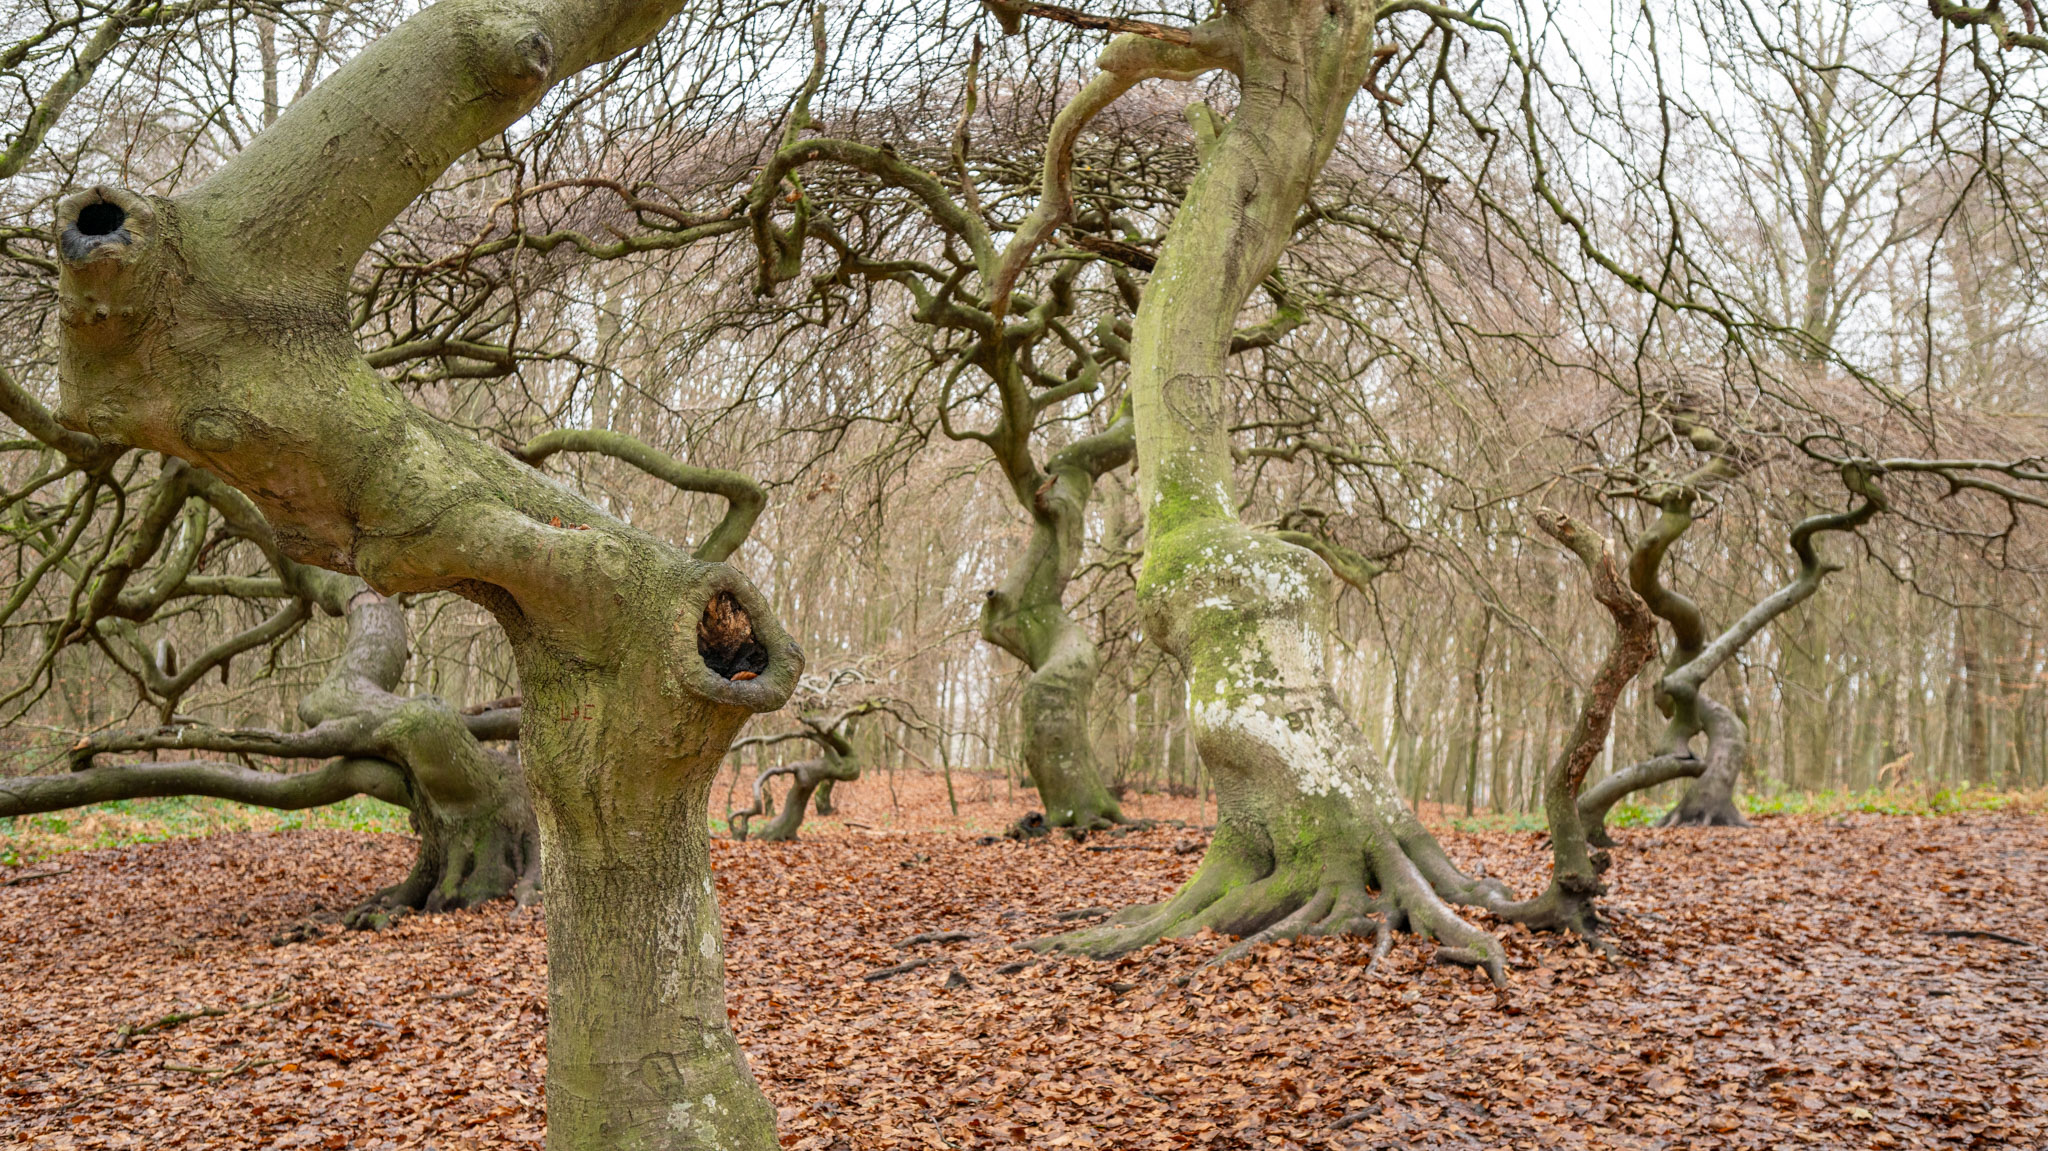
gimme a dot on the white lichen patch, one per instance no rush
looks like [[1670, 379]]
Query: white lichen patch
[[1272, 695]]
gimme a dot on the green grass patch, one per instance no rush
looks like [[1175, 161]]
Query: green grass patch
[[1927, 800], [25, 839], [1501, 821], [1950, 800]]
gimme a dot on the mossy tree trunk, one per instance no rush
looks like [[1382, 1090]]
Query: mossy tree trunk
[[214, 326], [478, 840], [1312, 834], [1027, 617]]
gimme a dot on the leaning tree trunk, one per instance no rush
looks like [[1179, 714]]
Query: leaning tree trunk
[[215, 326], [1027, 617], [1312, 834]]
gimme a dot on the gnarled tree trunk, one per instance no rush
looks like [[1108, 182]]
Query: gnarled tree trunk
[[1710, 801], [214, 326], [1312, 835], [468, 803], [1027, 617], [836, 763], [478, 840]]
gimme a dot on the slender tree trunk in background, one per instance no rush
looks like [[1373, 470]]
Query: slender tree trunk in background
[[1976, 709], [1309, 821], [1567, 903], [2022, 690], [215, 326], [1180, 775], [266, 48], [1478, 710]]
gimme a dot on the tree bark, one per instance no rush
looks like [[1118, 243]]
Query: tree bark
[[1309, 821], [1027, 617], [1710, 801], [214, 326], [1567, 903], [478, 840], [1596, 801]]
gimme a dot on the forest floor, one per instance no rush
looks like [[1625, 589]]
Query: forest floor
[[1798, 984]]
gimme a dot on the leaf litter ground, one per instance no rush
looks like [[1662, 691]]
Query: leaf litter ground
[[1779, 987]]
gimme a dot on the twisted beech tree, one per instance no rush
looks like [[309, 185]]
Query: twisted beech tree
[[477, 836], [829, 728], [214, 326], [1312, 834], [1696, 655], [1026, 615]]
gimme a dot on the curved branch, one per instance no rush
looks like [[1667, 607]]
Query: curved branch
[[884, 165], [454, 75], [1103, 452], [499, 723], [342, 737], [1989, 16], [1596, 801], [333, 783], [1645, 564], [744, 498], [1128, 61], [1350, 566], [1685, 681], [90, 453]]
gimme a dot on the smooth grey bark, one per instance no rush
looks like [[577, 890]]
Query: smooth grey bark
[[1027, 617]]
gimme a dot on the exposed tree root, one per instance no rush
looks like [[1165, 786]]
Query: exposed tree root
[[1242, 890], [461, 866]]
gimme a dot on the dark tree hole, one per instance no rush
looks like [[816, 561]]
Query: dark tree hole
[[101, 219], [725, 638]]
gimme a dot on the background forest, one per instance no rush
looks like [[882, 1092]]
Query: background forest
[[1821, 176]]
